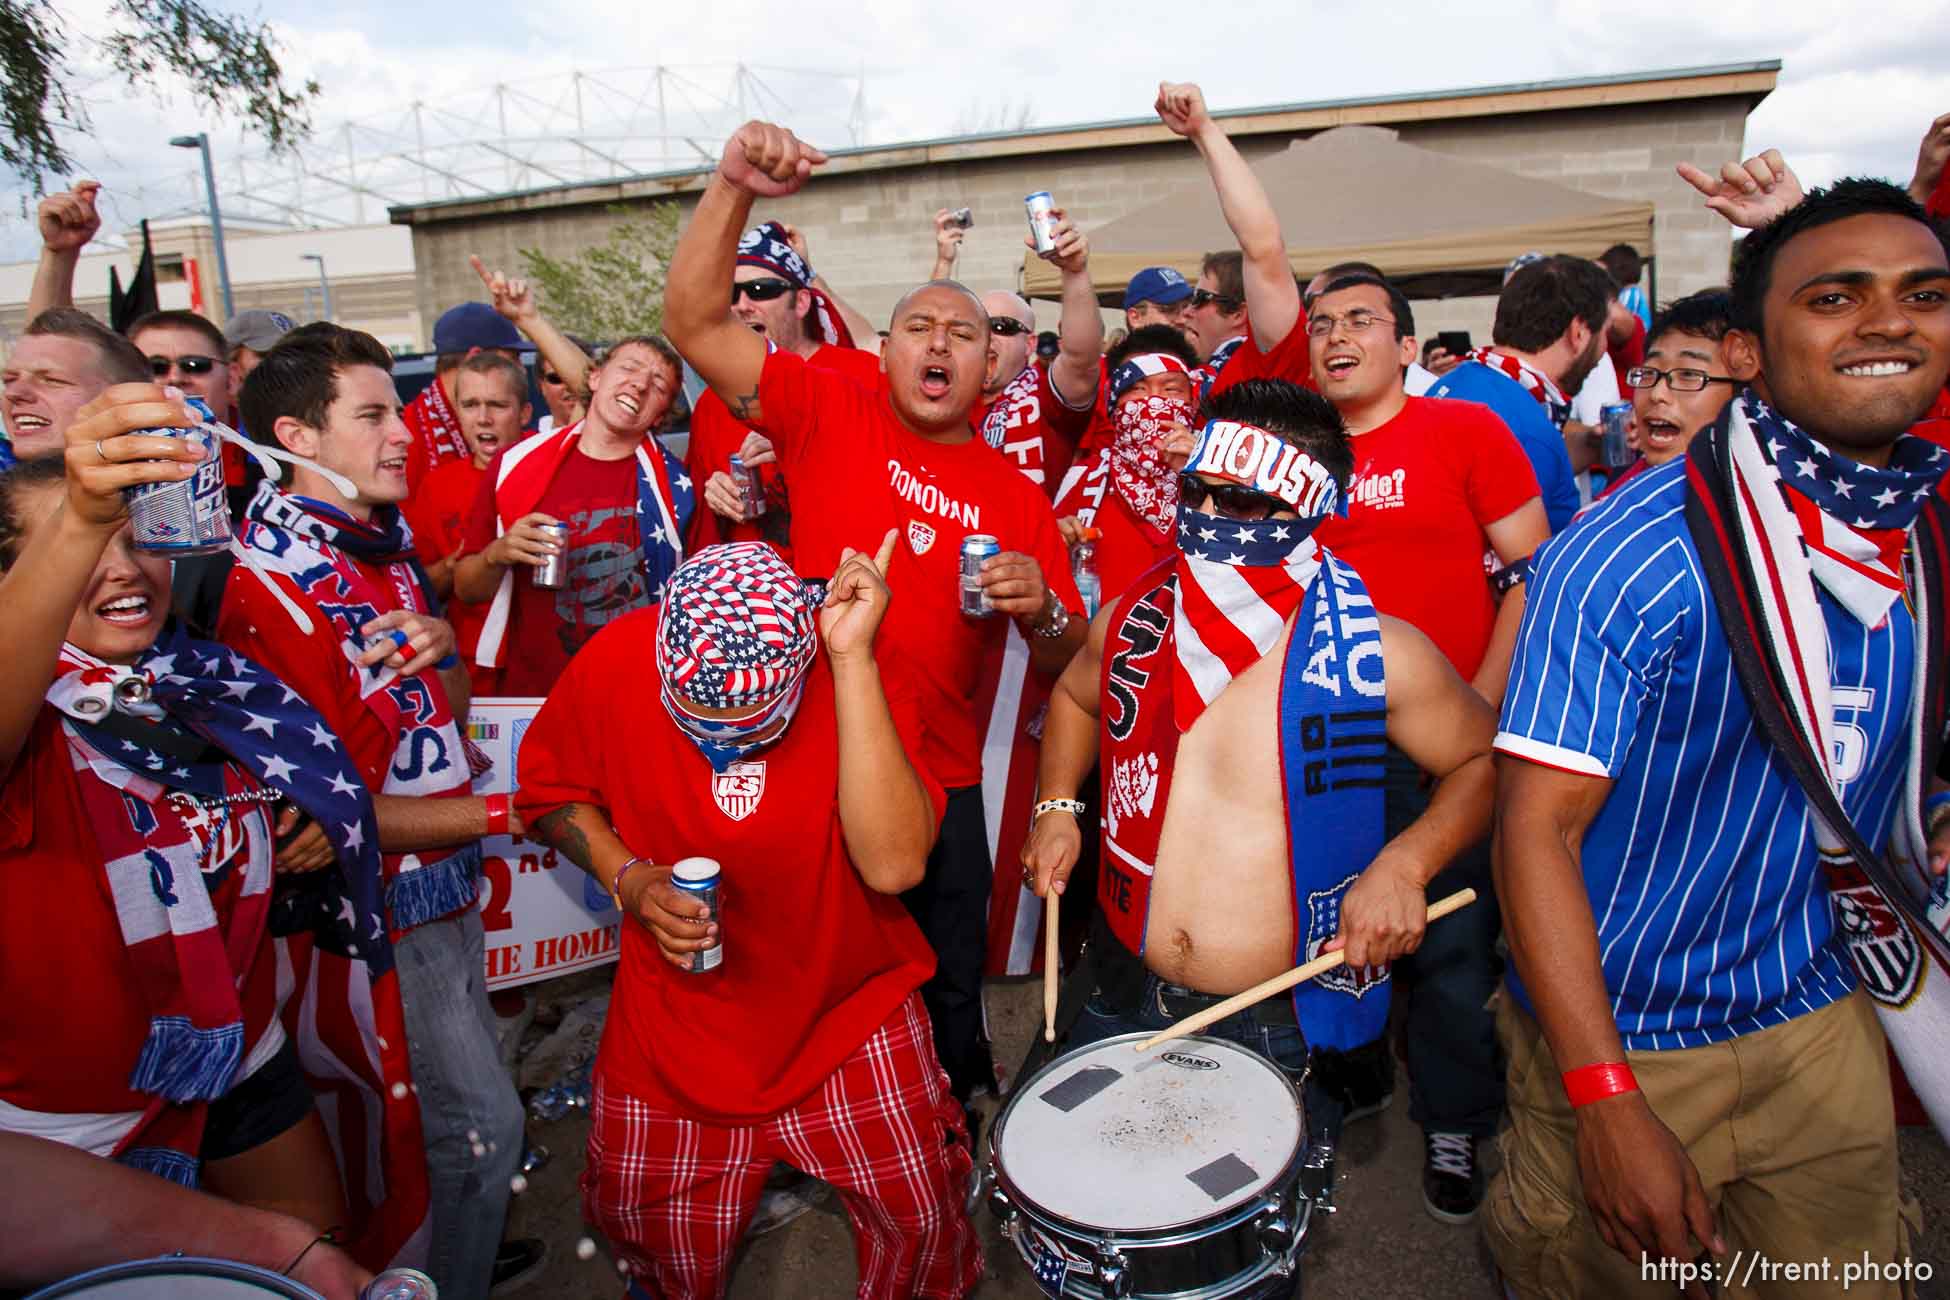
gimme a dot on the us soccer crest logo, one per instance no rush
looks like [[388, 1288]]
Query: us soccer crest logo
[[920, 536], [1323, 923], [1885, 953], [738, 789]]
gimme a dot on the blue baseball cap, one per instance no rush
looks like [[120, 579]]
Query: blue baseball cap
[[473, 325], [1159, 284]]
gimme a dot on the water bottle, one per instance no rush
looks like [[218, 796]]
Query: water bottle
[[1083, 567]]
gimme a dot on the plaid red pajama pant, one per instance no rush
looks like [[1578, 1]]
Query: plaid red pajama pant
[[674, 1196]]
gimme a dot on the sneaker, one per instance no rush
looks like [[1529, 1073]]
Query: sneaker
[[517, 1263], [1365, 1079], [1452, 1181], [784, 1200]]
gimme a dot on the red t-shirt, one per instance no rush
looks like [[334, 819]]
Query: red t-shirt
[[1289, 359], [814, 961], [716, 436], [1629, 354], [597, 499], [1426, 484], [1033, 427], [856, 472], [438, 515]]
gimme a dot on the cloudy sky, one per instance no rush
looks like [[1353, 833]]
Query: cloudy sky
[[1854, 96]]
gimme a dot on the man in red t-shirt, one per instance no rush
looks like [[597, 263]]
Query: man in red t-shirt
[[774, 293], [904, 458], [782, 1023], [628, 505], [1436, 485]]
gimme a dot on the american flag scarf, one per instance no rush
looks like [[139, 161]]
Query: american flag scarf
[[1743, 478], [435, 427], [1535, 382], [313, 544], [666, 501]]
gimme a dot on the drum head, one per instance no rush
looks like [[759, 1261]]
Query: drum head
[[1110, 1139], [177, 1278]]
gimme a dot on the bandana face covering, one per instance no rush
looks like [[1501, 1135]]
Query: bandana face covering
[[1138, 468], [737, 629]]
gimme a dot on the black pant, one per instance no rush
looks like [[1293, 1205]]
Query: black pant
[[951, 905]]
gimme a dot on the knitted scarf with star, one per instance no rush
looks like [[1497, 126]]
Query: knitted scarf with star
[[1773, 515]]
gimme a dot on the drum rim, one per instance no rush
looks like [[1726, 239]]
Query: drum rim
[[177, 1266], [1168, 1234]]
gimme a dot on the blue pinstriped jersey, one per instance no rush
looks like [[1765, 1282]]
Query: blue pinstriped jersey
[[1701, 867]]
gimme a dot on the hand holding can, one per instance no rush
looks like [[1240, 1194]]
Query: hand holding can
[[1042, 221]]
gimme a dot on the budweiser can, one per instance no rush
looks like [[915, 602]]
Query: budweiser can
[[977, 549], [189, 516], [400, 1284], [1615, 448], [748, 488], [699, 877], [552, 574], [1042, 221]]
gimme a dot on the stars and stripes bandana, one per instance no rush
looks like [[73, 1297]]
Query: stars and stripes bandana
[[1535, 382], [766, 248], [1240, 580], [1138, 468], [1142, 366], [737, 629], [1854, 518]]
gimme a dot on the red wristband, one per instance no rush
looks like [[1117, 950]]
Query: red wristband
[[497, 813], [1589, 1083]]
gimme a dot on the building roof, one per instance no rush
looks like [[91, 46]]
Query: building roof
[[1750, 81]]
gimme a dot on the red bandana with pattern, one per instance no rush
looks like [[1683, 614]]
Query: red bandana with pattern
[[1138, 467]]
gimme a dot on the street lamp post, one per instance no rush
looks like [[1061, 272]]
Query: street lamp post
[[201, 141], [324, 285]]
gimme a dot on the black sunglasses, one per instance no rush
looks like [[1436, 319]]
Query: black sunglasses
[[1205, 298], [549, 377], [761, 290], [1008, 326], [1229, 499], [191, 365]]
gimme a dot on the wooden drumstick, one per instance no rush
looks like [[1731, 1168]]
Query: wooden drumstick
[[1281, 983], [1050, 901]]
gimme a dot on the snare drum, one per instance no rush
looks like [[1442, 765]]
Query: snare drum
[[1173, 1173], [177, 1277]]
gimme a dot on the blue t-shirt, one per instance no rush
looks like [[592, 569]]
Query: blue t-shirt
[[6, 455], [1634, 300], [1542, 441], [1702, 869]]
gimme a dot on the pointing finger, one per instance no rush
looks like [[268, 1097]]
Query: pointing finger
[[884, 557]]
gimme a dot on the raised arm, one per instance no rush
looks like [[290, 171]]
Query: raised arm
[[1514, 537], [1749, 194], [1069, 751], [1080, 329], [761, 159], [515, 300], [947, 246], [1272, 297], [1932, 155], [68, 221]]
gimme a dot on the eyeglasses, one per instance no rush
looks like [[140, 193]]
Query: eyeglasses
[[761, 290], [1229, 499], [1355, 322], [1225, 302], [1008, 326], [190, 365], [1682, 381]]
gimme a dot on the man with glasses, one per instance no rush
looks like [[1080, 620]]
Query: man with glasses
[[186, 349], [565, 402], [1436, 485], [1682, 386], [1236, 667]]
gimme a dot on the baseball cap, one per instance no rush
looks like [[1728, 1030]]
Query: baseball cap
[[473, 325], [1159, 284], [257, 330], [1520, 261]]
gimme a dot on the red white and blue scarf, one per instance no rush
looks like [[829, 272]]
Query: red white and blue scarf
[[431, 417], [1534, 381]]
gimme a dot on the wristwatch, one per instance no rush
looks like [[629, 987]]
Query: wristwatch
[[1055, 621]]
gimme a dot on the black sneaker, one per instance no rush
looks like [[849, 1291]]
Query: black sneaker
[[1452, 1181], [1365, 1079], [517, 1262]]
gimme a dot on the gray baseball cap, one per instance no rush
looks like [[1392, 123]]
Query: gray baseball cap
[[257, 330]]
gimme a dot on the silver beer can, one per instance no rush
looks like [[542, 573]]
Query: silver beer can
[[749, 489], [699, 878], [1042, 221], [552, 574], [400, 1284], [1615, 445], [977, 549], [190, 516], [963, 217]]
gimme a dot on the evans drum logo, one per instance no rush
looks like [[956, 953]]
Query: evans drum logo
[[1186, 1061]]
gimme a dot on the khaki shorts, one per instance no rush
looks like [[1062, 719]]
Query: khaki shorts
[[1792, 1130]]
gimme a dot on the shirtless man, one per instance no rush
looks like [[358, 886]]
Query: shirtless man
[[1199, 664]]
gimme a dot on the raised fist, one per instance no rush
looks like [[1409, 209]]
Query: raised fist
[[1181, 106], [69, 220], [767, 160]]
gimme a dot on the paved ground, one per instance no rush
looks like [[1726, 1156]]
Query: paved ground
[[1381, 1243]]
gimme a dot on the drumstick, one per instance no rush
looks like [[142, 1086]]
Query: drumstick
[[1050, 901], [1281, 983]]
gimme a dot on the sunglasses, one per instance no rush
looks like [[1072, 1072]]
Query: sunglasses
[[1228, 499], [190, 365], [1206, 298], [548, 377], [761, 290], [1008, 326]]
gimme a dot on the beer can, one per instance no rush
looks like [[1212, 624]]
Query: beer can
[[963, 217], [698, 877], [1615, 447], [400, 1284], [190, 516], [1042, 221], [552, 574], [748, 488], [976, 550]]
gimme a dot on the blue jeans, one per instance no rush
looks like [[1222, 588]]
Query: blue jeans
[[463, 1090]]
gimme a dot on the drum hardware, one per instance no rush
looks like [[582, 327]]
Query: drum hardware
[[1114, 1274], [1317, 1176]]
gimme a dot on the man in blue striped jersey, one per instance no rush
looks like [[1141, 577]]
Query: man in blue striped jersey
[[1724, 1084]]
